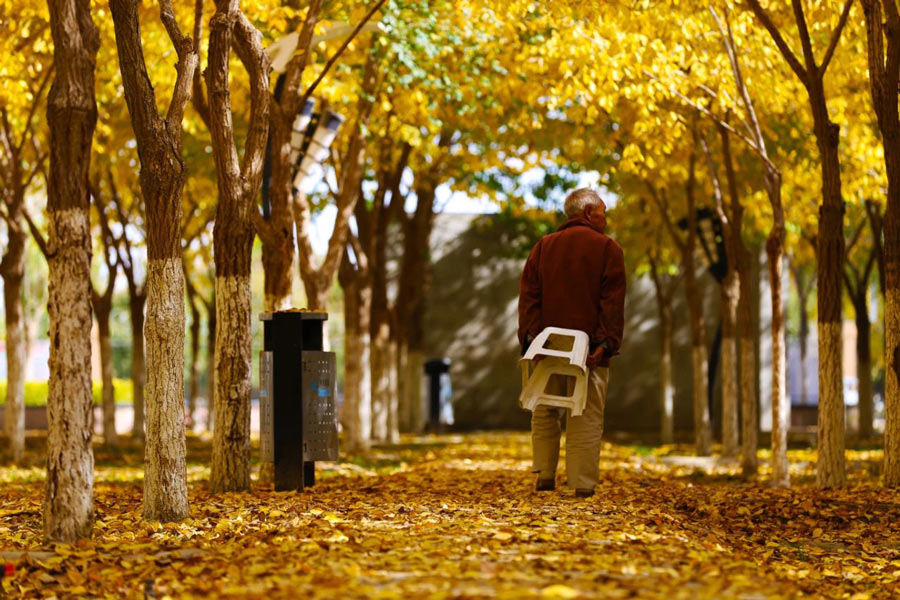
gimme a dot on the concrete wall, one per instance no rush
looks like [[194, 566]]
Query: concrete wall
[[472, 319]]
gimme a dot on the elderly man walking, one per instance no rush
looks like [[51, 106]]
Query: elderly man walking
[[575, 279]]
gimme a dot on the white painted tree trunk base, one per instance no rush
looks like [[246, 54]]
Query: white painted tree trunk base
[[891, 390], [231, 433], [165, 473], [830, 465], [68, 509]]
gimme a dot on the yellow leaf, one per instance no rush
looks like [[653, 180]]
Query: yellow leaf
[[559, 591]]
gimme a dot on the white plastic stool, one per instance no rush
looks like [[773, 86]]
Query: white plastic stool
[[564, 363]]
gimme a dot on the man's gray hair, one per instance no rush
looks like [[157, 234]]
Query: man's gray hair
[[580, 199]]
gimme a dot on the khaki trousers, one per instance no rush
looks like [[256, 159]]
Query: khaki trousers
[[583, 433]]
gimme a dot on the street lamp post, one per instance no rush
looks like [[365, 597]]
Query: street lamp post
[[280, 53], [320, 133]]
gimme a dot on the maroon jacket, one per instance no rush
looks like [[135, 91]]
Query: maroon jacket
[[575, 279]]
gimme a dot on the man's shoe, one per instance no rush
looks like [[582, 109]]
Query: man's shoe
[[584, 493], [545, 485]]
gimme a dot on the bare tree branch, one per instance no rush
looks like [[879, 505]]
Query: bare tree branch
[[248, 47], [198, 97], [836, 36], [39, 238], [662, 206], [333, 59], [188, 59], [782, 45], [29, 120]]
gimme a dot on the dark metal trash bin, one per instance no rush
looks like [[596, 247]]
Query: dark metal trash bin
[[298, 417], [437, 369]]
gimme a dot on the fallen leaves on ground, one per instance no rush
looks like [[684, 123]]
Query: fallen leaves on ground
[[455, 516]]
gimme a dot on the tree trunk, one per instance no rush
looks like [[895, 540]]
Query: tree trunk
[[803, 299], [749, 404], [730, 297], [736, 303], [138, 366], [210, 364], [71, 114], [382, 392], [666, 386], [414, 401], [699, 358], [231, 434], [162, 180], [357, 373], [383, 381], [277, 235], [102, 310], [316, 294], [402, 361], [238, 183], [892, 329], [194, 367], [864, 366], [165, 469], [830, 264], [411, 305], [781, 409], [278, 282], [13, 271], [892, 321], [884, 73]]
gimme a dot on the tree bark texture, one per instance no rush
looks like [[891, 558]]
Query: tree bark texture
[[137, 300], [730, 296], [864, 369], [781, 409], [749, 403], [666, 386], [413, 288], [804, 289], [238, 183], [13, 270], [276, 233], [829, 262], [699, 356], [210, 363], [830, 240], [231, 431], [194, 367], [357, 358], [857, 282], [389, 203], [883, 49], [102, 310], [101, 301], [384, 389], [165, 473], [318, 281], [71, 114], [162, 181], [663, 290]]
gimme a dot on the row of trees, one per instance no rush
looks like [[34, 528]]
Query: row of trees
[[418, 97], [743, 104], [448, 92]]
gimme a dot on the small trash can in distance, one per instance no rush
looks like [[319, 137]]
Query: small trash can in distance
[[439, 395]]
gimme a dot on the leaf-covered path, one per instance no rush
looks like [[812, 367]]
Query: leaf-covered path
[[455, 517]]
